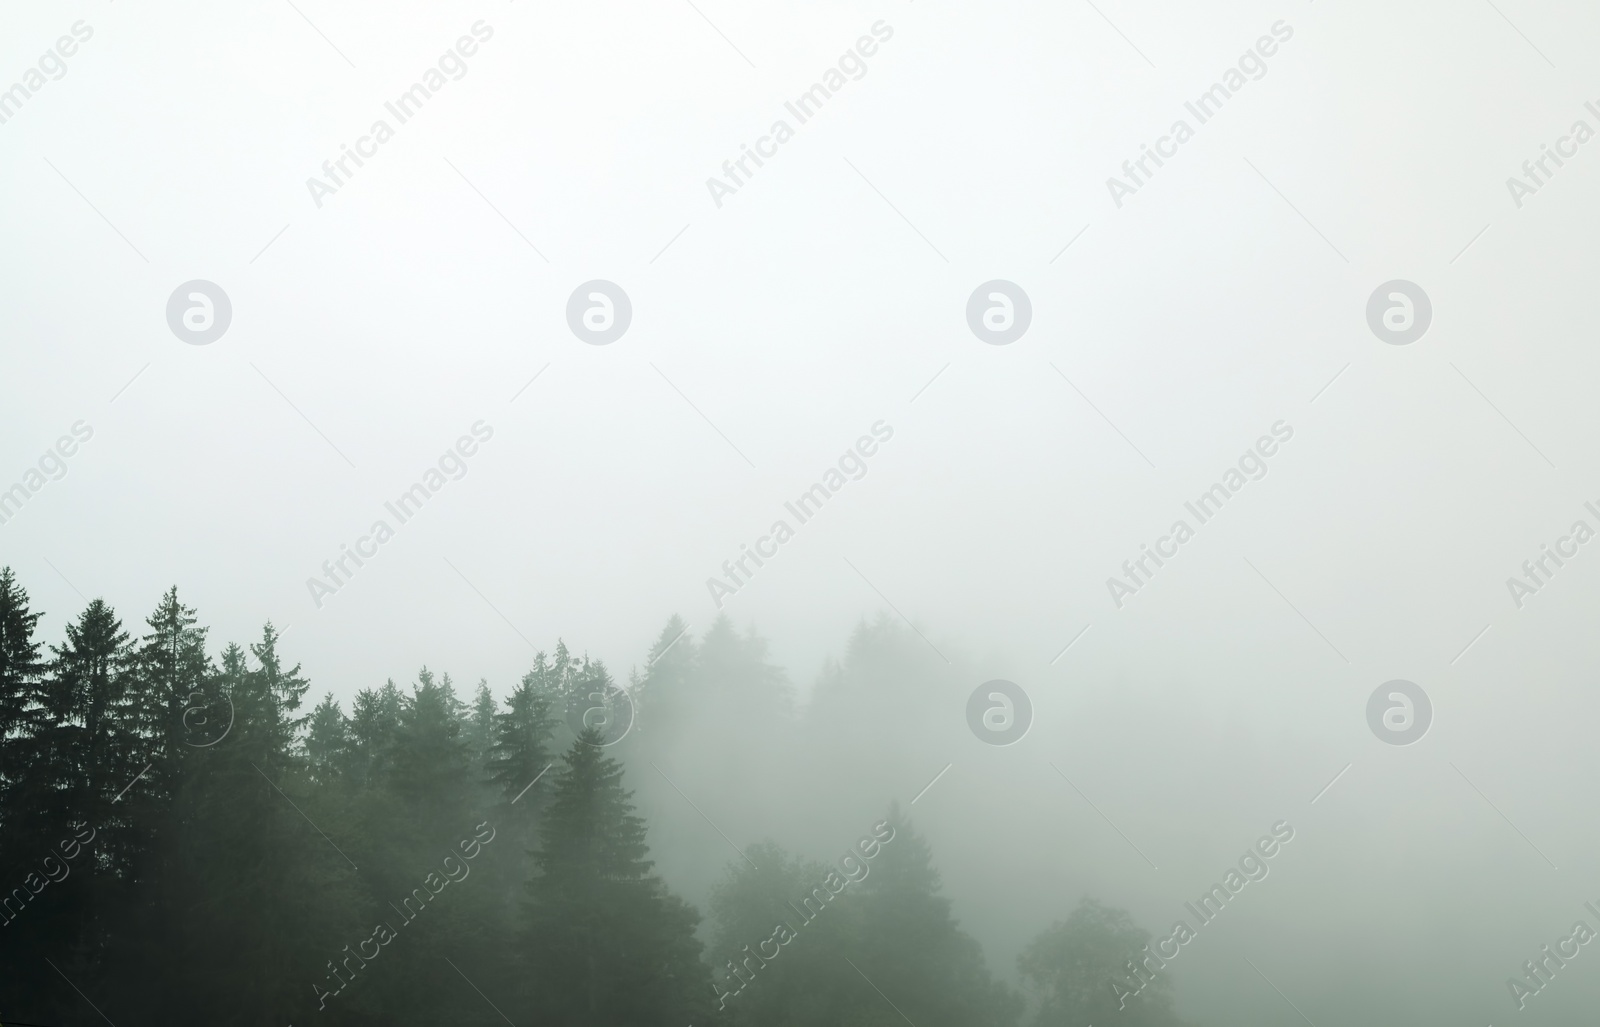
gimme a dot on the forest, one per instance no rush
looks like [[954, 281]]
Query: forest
[[188, 834]]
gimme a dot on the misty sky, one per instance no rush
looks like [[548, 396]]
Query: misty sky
[[374, 326]]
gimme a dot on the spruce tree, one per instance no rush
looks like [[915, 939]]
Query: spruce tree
[[521, 748], [912, 949], [608, 946], [74, 758], [327, 742], [374, 727], [281, 693], [86, 752], [20, 683], [771, 966], [663, 688], [238, 855], [718, 703], [1079, 968], [478, 727], [430, 756], [171, 673], [733, 672]]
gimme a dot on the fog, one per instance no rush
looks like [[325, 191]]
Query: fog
[[975, 350]]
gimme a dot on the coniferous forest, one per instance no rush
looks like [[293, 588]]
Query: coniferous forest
[[192, 831]]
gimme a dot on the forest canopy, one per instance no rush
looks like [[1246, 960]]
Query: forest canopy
[[190, 833]]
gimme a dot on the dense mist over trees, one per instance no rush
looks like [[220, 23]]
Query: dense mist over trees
[[190, 834]]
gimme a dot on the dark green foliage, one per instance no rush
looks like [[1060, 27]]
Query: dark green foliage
[[188, 839], [327, 742], [607, 944], [20, 678], [479, 729], [808, 983], [520, 751]]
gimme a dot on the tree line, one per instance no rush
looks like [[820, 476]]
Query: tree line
[[187, 835]]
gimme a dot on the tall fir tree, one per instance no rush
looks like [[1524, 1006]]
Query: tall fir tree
[[608, 946], [771, 965], [327, 742], [521, 748], [911, 947], [86, 751], [478, 726], [21, 673], [280, 694], [430, 756], [63, 808], [171, 674], [664, 686], [374, 726], [239, 846]]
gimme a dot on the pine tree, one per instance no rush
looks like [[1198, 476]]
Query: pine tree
[[234, 851], [281, 694], [478, 727], [70, 764], [608, 945], [327, 742], [521, 749], [732, 671], [771, 965], [663, 688], [594, 700], [171, 674], [1080, 968], [708, 706], [430, 756], [452, 701], [86, 752], [20, 683], [37, 770], [374, 727], [912, 949]]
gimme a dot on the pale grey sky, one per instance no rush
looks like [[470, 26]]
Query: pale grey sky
[[373, 327]]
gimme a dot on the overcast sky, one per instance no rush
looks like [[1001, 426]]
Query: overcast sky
[[1174, 322]]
